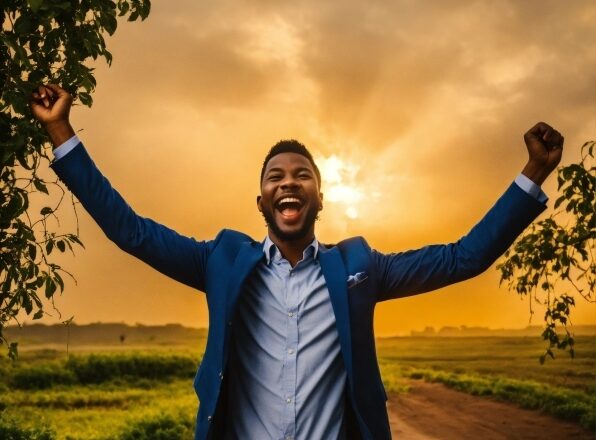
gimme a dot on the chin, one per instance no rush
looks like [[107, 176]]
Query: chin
[[290, 234]]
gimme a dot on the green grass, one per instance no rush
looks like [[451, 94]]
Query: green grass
[[516, 358], [99, 368], [146, 391], [81, 412], [503, 368]]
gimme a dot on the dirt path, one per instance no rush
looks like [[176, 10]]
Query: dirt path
[[432, 411]]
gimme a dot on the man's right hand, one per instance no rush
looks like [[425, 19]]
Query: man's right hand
[[51, 105]]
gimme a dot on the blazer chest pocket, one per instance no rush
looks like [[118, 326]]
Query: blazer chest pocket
[[356, 279]]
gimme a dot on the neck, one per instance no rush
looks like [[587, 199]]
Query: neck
[[292, 250]]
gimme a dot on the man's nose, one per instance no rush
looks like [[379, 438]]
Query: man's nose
[[289, 182]]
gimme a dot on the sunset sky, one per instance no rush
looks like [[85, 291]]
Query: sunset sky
[[414, 110]]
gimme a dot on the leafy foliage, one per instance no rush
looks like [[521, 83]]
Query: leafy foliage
[[42, 376], [42, 41], [553, 262], [10, 430], [101, 368], [165, 427]]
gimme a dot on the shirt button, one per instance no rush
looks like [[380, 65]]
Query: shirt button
[[290, 314], [291, 274], [288, 400], [290, 351]]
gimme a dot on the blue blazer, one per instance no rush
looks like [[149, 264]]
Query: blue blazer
[[357, 277]]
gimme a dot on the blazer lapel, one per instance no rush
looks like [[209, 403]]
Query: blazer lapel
[[246, 260], [335, 275]]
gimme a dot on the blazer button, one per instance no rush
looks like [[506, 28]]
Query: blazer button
[[209, 418], [221, 375]]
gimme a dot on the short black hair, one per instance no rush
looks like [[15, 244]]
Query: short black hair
[[290, 146]]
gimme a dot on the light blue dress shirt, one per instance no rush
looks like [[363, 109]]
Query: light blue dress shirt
[[286, 375]]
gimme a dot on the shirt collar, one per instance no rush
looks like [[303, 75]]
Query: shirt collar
[[272, 252]]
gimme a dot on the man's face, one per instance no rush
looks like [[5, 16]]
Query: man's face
[[290, 199]]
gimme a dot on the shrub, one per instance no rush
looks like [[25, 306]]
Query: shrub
[[165, 427], [41, 376], [102, 368], [10, 430]]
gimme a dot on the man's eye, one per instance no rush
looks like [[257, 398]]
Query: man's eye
[[274, 177], [304, 176]]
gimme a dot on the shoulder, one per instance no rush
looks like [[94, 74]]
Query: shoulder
[[232, 240], [351, 247]]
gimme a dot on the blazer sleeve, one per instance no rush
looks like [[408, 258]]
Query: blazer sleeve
[[431, 267], [181, 258]]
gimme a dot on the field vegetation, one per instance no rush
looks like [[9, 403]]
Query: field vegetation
[[506, 369], [144, 390]]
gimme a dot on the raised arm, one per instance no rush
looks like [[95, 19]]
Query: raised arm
[[176, 256], [429, 268]]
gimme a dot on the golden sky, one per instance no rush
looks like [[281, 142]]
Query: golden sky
[[415, 110]]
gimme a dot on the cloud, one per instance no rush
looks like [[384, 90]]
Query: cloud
[[430, 100]]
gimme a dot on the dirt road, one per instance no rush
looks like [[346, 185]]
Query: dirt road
[[434, 412]]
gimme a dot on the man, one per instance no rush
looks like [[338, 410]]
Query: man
[[291, 349]]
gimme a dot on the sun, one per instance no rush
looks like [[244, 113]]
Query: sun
[[339, 184]]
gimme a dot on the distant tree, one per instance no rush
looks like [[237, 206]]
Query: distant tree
[[553, 262], [42, 41]]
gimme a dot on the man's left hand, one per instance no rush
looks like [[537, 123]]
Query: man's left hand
[[545, 148]]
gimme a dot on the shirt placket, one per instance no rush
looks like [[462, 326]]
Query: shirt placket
[[289, 370]]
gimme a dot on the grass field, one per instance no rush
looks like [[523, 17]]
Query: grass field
[[144, 390]]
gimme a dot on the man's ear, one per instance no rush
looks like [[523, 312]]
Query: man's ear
[[321, 198], [259, 203]]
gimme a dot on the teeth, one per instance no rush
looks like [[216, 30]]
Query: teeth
[[289, 200]]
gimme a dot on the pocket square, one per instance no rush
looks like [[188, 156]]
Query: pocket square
[[357, 278]]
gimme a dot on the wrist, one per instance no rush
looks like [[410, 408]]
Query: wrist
[[59, 132], [535, 172]]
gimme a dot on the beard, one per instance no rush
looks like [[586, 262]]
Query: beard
[[311, 216]]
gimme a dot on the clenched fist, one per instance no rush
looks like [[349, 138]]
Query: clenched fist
[[545, 148], [51, 105]]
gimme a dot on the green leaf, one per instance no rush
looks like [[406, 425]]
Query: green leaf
[[49, 246], [38, 314], [46, 210], [124, 6], [59, 281], [133, 16], [61, 245], [73, 238], [50, 287], [110, 23], [35, 4], [32, 251], [40, 186], [23, 25], [86, 99]]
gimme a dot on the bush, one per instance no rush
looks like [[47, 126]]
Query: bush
[[96, 369], [9, 430], [165, 427], [41, 376], [102, 368]]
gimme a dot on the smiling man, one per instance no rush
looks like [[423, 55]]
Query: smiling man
[[291, 348]]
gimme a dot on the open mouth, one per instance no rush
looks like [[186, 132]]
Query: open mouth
[[289, 207]]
